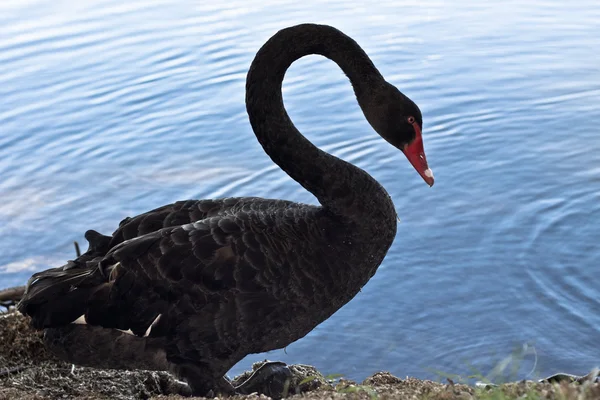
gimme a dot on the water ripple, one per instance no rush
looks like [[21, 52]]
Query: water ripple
[[113, 108]]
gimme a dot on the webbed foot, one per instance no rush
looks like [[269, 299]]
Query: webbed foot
[[271, 379]]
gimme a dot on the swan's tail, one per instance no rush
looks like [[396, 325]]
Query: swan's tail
[[59, 296]]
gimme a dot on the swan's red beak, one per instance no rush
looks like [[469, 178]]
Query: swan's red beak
[[416, 155]]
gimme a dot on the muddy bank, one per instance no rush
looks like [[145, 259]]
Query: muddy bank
[[28, 371]]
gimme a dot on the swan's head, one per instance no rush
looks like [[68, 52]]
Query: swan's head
[[398, 120]]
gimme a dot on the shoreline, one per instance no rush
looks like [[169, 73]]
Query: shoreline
[[29, 372]]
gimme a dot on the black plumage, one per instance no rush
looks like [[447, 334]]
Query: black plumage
[[203, 283]]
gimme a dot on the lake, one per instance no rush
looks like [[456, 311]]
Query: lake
[[113, 108]]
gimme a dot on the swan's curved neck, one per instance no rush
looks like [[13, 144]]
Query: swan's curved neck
[[339, 186]]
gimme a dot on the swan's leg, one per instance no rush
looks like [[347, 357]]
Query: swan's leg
[[271, 379], [201, 380]]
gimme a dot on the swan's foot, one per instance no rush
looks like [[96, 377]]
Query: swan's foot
[[271, 379], [201, 383], [177, 387]]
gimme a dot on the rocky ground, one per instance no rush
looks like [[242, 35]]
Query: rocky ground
[[29, 372]]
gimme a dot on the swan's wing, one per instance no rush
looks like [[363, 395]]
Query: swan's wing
[[179, 213], [189, 211], [229, 269]]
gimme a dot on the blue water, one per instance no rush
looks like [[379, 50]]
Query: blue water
[[111, 108]]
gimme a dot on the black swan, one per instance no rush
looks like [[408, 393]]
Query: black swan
[[195, 286]]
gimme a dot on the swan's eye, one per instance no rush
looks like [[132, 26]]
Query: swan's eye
[[411, 120]]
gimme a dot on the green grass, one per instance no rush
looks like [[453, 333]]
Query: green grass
[[505, 381], [358, 389]]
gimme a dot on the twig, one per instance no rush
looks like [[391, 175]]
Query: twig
[[14, 370], [77, 251], [12, 294]]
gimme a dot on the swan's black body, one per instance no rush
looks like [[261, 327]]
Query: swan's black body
[[234, 276]]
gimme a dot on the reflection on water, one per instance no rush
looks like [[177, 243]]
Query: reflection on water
[[110, 109]]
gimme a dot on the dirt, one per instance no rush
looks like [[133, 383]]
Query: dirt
[[29, 372]]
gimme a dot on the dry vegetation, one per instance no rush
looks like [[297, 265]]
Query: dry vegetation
[[29, 372]]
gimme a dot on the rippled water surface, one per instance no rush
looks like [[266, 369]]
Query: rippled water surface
[[109, 109]]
